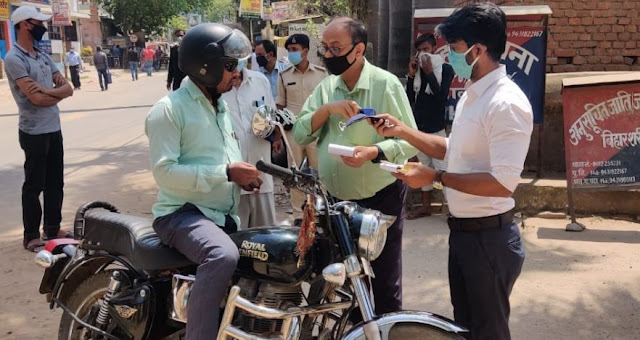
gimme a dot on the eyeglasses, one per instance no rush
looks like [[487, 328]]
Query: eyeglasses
[[335, 51], [231, 64]]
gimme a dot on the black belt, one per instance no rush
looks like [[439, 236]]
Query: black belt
[[480, 223]]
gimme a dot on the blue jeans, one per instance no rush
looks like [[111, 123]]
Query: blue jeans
[[133, 65], [148, 65], [102, 75]]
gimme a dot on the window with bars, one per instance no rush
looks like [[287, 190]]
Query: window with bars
[[70, 32]]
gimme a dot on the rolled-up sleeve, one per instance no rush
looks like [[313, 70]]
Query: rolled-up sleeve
[[398, 150], [163, 131], [302, 128], [509, 127]]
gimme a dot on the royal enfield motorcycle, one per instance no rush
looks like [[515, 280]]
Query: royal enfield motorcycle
[[116, 280]]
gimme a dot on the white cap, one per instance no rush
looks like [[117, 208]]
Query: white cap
[[23, 13]]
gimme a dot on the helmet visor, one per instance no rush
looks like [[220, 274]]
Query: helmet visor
[[237, 45]]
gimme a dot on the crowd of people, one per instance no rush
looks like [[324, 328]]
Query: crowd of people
[[202, 148]]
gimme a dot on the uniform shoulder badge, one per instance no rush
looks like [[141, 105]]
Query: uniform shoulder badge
[[320, 68], [288, 68]]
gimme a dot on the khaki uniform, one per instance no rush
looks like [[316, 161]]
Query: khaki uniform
[[294, 87]]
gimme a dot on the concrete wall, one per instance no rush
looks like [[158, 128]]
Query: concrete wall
[[91, 29]]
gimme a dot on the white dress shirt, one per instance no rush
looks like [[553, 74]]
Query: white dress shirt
[[490, 133], [241, 104], [74, 59]]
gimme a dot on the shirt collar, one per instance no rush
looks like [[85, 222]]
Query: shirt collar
[[364, 81], [196, 94], [25, 51], [477, 89]]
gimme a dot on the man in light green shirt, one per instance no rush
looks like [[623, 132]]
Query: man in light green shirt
[[196, 162], [356, 83]]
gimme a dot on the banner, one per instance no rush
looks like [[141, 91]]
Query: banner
[[524, 57], [602, 135], [61, 13], [282, 10], [250, 8], [4, 9]]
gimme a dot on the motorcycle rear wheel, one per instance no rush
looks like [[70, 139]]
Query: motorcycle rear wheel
[[81, 302], [418, 331]]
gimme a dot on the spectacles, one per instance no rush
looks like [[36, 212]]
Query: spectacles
[[335, 51], [231, 64]]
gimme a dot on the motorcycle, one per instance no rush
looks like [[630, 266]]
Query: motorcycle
[[116, 280]]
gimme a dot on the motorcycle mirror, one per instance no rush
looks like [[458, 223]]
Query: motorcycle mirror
[[335, 273], [263, 122]]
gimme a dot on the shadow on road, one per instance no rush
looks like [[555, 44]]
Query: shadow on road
[[91, 110], [591, 235]]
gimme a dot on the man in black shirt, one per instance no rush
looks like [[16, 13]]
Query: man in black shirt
[[428, 83], [134, 60], [175, 75]]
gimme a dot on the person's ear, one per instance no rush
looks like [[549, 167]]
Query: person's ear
[[361, 49]]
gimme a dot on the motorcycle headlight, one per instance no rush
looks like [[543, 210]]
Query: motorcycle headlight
[[371, 227]]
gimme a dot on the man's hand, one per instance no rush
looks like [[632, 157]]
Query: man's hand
[[168, 86], [413, 67], [244, 174], [425, 64], [346, 108], [389, 126], [34, 87], [362, 155], [59, 80], [276, 147], [416, 175]]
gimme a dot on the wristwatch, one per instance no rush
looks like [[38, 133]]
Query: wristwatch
[[381, 156], [437, 181]]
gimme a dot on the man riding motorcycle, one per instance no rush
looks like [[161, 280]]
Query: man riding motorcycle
[[196, 162]]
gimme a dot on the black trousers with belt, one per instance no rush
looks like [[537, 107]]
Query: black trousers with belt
[[75, 76], [483, 267], [387, 285], [43, 173]]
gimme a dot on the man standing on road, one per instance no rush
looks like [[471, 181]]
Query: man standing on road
[[295, 85], [197, 164], [102, 66], [251, 90], [74, 61], [117, 56], [37, 87], [356, 83], [134, 61], [485, 153], [270, 66], [175, 74], [147, 59], [428, 83]]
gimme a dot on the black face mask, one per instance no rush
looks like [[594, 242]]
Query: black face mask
[[37, 32], [338, 65], [262, 60]]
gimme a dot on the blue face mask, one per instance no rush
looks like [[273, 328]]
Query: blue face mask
[[459, 63], [241, 64], [295, 57]]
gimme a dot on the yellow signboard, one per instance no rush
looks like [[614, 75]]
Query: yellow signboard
[[250, 8], [4, 9]]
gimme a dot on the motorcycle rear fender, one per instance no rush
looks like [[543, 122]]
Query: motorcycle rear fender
[[386, 321]]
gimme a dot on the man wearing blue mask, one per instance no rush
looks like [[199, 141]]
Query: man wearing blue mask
[[485, 154], [295, 85]]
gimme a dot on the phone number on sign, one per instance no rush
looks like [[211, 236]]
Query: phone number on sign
[[525, 34]]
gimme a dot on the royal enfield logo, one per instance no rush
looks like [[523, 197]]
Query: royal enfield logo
[[254, 250]]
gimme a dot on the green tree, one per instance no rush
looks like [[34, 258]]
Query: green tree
[[331, 8], [149, 15], [178, 22], [218, 10]]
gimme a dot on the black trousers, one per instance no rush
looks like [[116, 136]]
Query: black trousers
[[387, 285], [483, 267], [43, 172], [75, 76]]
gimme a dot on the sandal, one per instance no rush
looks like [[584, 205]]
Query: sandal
[[417, 214], [34, 245], [61, 234]]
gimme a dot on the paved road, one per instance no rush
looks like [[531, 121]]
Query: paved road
[[573, 286]]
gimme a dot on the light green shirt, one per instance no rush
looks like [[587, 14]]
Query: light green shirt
[[190, 147], [377, 89]]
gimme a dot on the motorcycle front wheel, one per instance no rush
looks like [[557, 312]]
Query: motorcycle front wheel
[[84, 303], [417, 331]]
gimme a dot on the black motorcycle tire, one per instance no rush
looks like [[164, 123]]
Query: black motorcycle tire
[[80, 302]]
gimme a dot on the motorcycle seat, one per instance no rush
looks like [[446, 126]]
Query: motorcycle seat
[[131, 237]]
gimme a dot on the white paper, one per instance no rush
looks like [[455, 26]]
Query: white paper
[[341, 150]]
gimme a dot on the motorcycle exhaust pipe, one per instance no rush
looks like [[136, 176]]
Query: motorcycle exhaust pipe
[[46, 259]]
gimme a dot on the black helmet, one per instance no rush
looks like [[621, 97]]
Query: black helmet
[[206, 48]]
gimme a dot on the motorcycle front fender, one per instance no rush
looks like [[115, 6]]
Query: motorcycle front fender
[[404, 324]]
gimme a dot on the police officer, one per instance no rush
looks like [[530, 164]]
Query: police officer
[[295, 84]]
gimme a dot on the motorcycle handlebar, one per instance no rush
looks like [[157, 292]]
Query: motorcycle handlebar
[[276, 171]]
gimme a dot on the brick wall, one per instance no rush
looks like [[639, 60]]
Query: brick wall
[[589, 35], [91, 29]]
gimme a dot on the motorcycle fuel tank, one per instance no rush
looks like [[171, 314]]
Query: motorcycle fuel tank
[[269, 254]]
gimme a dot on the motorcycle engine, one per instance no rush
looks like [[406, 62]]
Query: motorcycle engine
[[268, 295]]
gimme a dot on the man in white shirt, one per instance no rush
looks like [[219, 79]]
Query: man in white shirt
[[485, 154], [74, 61], [251, 90]]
